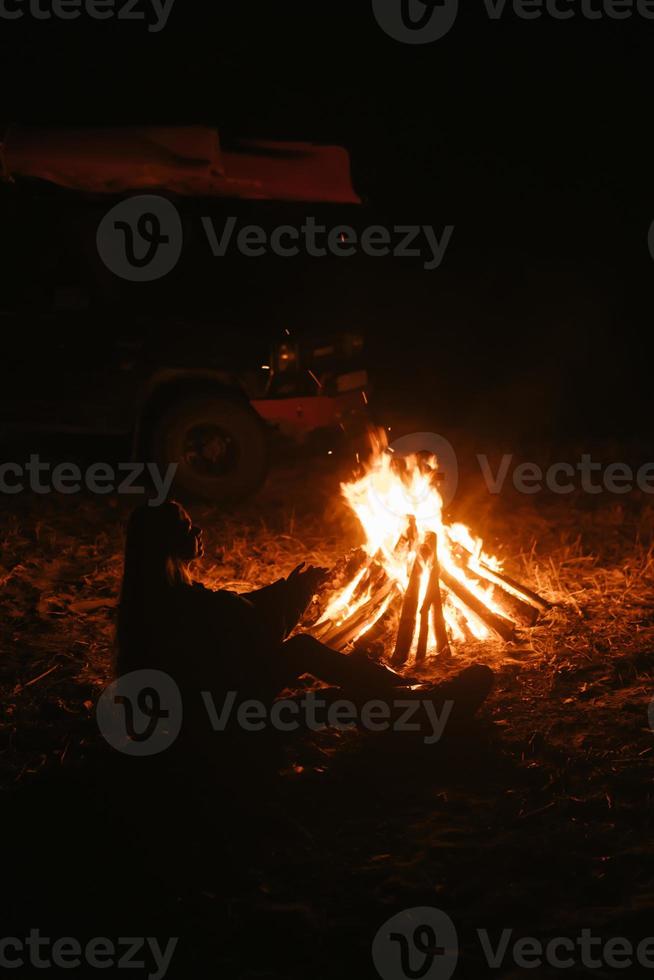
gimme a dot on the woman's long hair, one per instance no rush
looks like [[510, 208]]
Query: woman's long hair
[[152, 571]]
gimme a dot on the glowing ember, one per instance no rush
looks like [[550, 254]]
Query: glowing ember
[[448, 589]]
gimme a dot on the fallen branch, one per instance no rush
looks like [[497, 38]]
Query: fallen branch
[[35, 680]]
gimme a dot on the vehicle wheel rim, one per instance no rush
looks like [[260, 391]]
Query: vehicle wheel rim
[[210, 451]]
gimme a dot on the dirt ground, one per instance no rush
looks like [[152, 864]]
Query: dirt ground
[[536, 818]]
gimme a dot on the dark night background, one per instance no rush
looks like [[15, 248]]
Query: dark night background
[[534, 139], [531, 137]]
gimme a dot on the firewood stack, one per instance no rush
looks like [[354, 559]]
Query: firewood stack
[[519, 605]]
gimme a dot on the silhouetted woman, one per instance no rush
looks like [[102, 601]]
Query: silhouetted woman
[[218, 641]]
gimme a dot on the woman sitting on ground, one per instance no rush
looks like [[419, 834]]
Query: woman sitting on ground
[[219, 641]]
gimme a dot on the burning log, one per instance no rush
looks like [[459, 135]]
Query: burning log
[[526, 594], [382, 627], [423, 635], [339, 635], [520, 612], [411, 535], [351, 632], [374, 573], [373, 579], [516, 609], [503, 627], [438, 619], [462, 623], [475, 591], [407, 626], [465, 555], [369, 575], [354, 563], [432, 603]]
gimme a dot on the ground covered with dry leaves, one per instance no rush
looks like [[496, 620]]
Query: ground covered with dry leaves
[[538, 818]]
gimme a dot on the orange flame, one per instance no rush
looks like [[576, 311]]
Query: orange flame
[[397, 503]]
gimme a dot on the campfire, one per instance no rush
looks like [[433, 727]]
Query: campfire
[[431, 578]]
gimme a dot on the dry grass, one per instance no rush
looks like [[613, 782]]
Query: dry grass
[[60, 565], [550, 796]]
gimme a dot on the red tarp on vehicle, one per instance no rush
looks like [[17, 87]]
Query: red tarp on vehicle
[[185, 160]]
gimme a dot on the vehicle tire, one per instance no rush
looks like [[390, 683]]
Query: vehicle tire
[[218, 443]]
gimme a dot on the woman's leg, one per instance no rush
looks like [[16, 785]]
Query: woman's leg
[[303, 654], [364, 679], [467, 690]]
